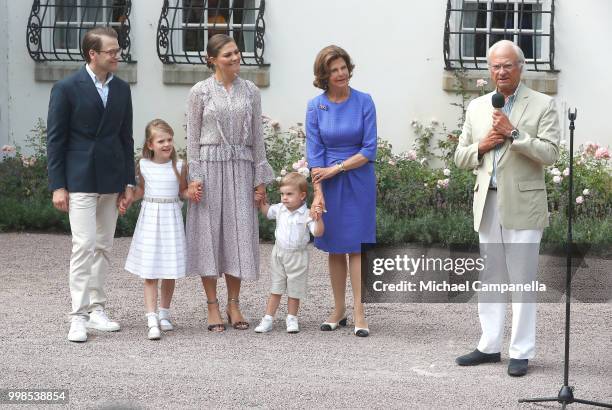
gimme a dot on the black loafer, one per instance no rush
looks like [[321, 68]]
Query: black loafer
[[477, 357], [517, 367]]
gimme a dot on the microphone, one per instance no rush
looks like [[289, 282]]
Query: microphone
[[498, 100]]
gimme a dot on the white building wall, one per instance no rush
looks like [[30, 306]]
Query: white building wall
[[28, 99], [4, 79], [396, 46], [583, 54]]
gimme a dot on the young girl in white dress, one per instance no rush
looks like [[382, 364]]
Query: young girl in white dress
[[158, 245]]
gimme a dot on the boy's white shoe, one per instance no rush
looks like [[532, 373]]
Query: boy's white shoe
[[78, 331], [292, 324], [266, 324], [99, 321]]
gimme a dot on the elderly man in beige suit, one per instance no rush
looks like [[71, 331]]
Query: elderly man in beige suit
[[509, 148]]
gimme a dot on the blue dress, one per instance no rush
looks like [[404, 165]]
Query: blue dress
[[335, 132]]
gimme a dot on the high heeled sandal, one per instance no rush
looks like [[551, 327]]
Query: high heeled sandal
[[239, 325], [215, 327], [329, 326]]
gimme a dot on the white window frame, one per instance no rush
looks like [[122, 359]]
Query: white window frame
[[543, 49], [85, 25], [230, 26]]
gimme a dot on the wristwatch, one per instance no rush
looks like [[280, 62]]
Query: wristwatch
[[514, 134]]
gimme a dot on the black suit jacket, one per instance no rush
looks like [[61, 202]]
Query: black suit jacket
[[90, 147]]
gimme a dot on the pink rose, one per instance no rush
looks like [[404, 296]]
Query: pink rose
[[602, 153], [579, 200]]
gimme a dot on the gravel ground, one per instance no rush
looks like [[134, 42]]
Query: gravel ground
[[407, 362]]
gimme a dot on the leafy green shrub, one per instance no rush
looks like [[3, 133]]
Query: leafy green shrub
[[416, 201]]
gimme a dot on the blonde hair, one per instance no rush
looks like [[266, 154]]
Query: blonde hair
[[295, 179], [163, 126]]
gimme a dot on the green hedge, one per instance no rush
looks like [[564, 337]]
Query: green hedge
[[417, 201]]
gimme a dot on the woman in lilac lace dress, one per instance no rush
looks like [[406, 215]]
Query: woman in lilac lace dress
[[227, 161]]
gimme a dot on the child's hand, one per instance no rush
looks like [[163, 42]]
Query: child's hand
[[122, 205], [260, 195], [316, 212], [260, 198], [194, 191]]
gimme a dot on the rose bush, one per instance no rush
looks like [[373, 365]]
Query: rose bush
[[421, 195]]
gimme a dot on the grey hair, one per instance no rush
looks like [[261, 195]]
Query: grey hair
[[504, 43]]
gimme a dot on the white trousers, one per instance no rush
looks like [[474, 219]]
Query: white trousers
[[507, 264], [93, 218]]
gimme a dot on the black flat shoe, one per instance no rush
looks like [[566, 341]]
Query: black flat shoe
[[362, 332], [477, 357], [329, 326], [518, 367]]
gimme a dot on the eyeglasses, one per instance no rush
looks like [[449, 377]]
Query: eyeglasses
[[112, 53], [506, 67]]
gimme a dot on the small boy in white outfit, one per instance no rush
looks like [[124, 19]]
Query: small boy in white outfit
[[289, 256]]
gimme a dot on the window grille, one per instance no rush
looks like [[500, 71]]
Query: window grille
[[472, 26], [56, 27], [186, 25]]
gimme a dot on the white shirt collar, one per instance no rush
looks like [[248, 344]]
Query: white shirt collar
[[95, 79], [301, 210]]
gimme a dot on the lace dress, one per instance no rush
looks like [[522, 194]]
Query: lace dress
[[226, 152]]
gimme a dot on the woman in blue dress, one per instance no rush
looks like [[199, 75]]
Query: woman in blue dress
[[341, 150]]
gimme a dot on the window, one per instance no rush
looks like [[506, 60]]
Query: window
[[56, 28], [472, 26], [186, 25]]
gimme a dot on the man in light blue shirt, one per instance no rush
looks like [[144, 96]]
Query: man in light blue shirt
[[90, 151]]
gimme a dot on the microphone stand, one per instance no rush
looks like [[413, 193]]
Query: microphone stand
[[566, 394]]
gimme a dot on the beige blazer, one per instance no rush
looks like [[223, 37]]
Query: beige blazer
[[521, 191]]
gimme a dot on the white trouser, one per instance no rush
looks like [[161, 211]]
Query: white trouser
[[510, 265], [93, 218]]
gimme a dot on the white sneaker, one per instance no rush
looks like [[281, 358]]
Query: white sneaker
[[78, 331], [99, 321], [165, 324], [154, 333], [292, 324], [265, 325]]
